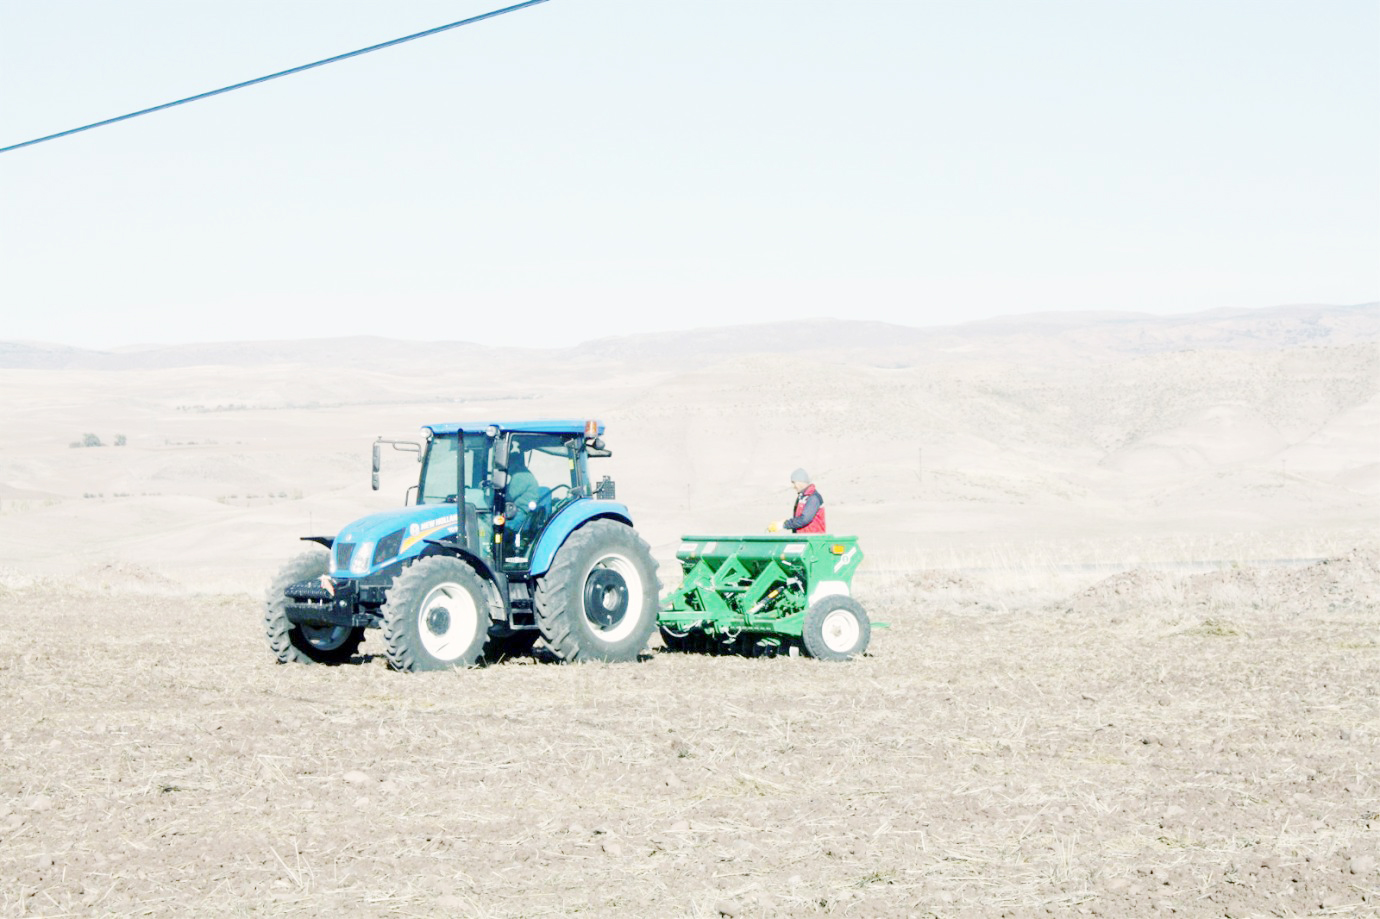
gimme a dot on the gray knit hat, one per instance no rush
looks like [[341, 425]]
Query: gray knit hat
[[800, 475]]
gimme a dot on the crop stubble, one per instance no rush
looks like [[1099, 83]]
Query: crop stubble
[[1204, 744]]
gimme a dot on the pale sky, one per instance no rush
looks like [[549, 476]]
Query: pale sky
[[586, 168]]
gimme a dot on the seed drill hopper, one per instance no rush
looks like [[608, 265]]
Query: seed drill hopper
[[767, 595]]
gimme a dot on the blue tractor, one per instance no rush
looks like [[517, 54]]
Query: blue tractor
[[505, 539]]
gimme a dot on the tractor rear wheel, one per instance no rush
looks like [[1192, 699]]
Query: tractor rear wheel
[[305, 644], [436, 616], [835, 629], [599, 599]]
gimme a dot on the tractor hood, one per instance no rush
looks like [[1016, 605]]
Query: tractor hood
[[372, 542]]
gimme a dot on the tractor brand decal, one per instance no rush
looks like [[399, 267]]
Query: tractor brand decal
[[845, 558], [424, 529]]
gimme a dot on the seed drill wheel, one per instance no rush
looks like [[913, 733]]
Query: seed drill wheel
[[835, 629], [598, 601], [436, 616], [304, 644]]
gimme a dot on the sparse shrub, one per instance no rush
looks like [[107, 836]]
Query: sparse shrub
[[91, 440], [1220, 628], [120, 440]]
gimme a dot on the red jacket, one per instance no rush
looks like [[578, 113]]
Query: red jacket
[[809, 512]]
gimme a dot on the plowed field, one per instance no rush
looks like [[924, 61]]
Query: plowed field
[[1204, 745]]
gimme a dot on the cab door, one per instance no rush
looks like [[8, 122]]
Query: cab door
[[544, 476]]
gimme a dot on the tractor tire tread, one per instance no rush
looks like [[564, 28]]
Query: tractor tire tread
[[555, 620], [279, 631], [399, 607]]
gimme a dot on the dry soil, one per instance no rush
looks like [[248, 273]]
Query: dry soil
[[1150, 745]]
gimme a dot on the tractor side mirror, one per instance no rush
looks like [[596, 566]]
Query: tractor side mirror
[[499, 479], [408, 446]]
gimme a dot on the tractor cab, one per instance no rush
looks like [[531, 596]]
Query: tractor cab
[[510, 480], [502, 538]]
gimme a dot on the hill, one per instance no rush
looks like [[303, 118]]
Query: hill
[[1037, 337], [1064, 439]]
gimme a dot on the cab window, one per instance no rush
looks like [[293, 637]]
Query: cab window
[[438, 475], [439, 479]]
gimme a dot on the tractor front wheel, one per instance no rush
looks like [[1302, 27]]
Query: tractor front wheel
[[304, 644], [835, 629], [436, 616], [598, 601]]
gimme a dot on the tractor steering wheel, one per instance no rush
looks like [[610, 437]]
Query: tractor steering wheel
[[556, 488]]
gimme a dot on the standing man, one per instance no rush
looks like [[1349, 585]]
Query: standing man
[[809, 507]]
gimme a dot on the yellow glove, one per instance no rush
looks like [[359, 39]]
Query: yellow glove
[[774, 527]]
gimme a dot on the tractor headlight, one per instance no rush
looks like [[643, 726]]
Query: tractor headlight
[[363, 556], [388, 548]]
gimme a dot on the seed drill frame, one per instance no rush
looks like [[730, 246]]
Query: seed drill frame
[[765, 594]]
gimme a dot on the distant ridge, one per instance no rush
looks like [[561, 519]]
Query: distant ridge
[[1268, 328], [345, 353], [1095, 335]]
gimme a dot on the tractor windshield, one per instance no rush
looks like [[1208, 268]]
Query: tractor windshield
[[439, 474]]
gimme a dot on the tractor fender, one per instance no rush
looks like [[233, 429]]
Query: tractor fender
[[568, 521]]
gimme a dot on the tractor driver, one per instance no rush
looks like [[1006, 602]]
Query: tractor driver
[[809, 508], [522, 487]]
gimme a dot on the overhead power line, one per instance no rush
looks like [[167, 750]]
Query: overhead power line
[[274, 76]]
